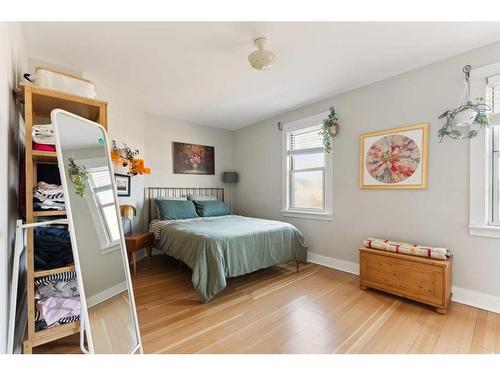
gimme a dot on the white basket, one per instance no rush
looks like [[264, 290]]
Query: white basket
[[54, 80]]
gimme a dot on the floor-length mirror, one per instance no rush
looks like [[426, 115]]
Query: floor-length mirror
[[108, 307]]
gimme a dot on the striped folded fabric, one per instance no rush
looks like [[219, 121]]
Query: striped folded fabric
[[407, 248]]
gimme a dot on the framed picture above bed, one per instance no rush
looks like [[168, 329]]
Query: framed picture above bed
[[122, 185], [193, 159], [394, 158]]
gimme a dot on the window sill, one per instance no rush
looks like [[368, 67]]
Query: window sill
[[308, 215], [111, 249], [484, 231]]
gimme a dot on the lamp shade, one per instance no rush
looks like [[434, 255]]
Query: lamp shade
[[127, 210], [230, 177]]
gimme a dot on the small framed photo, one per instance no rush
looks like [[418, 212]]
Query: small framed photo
[[394, 158], [122, 185]]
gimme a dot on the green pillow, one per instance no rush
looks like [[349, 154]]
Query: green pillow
[[199, 198], [175, 209], [211, 208]]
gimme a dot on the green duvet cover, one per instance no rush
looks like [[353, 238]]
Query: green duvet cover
[[229, 246]]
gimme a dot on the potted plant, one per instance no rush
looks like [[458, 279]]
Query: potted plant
[[128, 158], [463, 116], [457, 121]]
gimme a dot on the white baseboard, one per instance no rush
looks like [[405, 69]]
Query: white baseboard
[[338, 264], [476, 299], [460, 295], [106, 294]]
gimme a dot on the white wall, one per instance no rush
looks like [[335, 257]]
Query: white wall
[[161, 131], [12, 65], [436, 216], [126, 125]]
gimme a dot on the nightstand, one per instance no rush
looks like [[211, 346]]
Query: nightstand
[[138, 241]]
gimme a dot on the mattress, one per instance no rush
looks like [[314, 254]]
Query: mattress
[[217, 248]]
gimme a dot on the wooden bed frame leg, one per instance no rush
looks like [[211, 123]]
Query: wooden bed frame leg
[[297, 265]]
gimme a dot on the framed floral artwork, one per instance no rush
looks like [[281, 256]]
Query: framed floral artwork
[[394, 158], [193, 159]]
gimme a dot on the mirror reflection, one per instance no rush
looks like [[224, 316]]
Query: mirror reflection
[[99, 246]]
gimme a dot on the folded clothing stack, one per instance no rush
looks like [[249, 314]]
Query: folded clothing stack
[[57, 300], [52, 248], [43, 137], [48, 197], [407, 248]]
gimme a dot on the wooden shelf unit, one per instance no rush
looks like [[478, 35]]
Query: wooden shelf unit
[[49, 213], [53, 271], [38, 104], [48, 157]]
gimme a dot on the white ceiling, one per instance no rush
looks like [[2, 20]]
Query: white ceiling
[[198, 71]]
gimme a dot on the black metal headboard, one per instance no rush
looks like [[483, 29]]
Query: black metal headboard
[[150, 193]]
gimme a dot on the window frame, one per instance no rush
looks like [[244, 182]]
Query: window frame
[[495, 177], [481, 164], [288, 208], [96, 209], [102, 215]]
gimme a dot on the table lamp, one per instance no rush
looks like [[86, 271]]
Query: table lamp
[[127, 212]]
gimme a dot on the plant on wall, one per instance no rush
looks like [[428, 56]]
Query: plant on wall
[[329, 130], [471, 113], [457, 121], [79, 176], [128, 158]]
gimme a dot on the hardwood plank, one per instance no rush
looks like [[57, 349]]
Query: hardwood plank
[[278, 310]]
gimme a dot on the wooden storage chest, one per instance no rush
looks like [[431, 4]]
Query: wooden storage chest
[[421, 279]]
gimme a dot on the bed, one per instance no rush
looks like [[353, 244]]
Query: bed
[[217, 248]]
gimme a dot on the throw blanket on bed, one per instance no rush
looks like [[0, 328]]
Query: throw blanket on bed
[[228, 246], [407, 248]]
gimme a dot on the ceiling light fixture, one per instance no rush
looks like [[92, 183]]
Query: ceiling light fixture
[[261, 59]]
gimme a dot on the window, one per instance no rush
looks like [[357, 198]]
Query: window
[[484, 162], [493, 99], [307, 179], [496, 177], [100, 184]]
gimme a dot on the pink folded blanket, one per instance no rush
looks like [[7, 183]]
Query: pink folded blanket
[[407, 248]]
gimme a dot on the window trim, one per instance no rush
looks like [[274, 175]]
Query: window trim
[[481, 165], [102, 216], [287, 210], [107, 246], [495, 176]]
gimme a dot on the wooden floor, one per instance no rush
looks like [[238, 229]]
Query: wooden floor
[[278, 310]]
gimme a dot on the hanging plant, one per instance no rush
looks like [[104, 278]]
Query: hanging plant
[[457, 121], [329, 130], [79, 176], [464, 115]]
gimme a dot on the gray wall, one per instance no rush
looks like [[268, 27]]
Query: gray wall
[[12, 65], [161, 131], [436, 216]]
